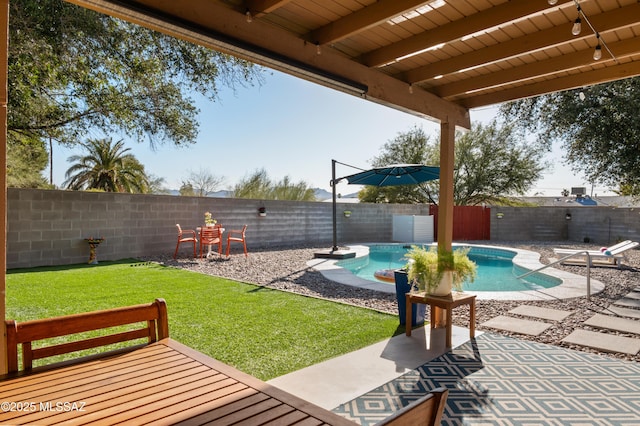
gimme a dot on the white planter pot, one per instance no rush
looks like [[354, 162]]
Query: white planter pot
[[445, 286]]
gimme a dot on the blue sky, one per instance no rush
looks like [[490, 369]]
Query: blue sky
[[292, 127]]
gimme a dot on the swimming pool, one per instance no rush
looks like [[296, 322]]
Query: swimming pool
[[496, 270]]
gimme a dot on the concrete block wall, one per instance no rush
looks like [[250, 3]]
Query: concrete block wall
[[48, 227], [600, 225]]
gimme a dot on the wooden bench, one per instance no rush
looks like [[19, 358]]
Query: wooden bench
[[153, 316]]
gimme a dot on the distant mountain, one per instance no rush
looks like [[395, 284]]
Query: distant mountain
[[322, 195]]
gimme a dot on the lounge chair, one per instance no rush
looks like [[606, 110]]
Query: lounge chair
[[607, 256]]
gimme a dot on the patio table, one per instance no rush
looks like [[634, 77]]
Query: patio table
[[163, 383]]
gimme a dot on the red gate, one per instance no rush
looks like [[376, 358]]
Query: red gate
[[469, 222]]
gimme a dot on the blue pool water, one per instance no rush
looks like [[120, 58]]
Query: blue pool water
[[496, 271]]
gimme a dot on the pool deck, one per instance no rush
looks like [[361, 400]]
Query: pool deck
[[572, 285]]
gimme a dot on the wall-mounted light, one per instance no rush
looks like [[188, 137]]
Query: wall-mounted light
[[347, 213], [249, 17], [499, 215], [552, 2], [262, 211], [567, 216]]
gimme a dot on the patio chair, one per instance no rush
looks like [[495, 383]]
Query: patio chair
[[607, 256], [238, 236], [210, 235], [426, 410], [185, 236]]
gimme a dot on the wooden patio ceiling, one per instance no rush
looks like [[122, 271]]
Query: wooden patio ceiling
[[436, 58]]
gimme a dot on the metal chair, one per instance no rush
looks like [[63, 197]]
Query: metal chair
[[186, 236], [238, 236], [210, 235]]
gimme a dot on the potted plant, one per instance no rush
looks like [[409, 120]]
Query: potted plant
[[438, 272], [208, 219]]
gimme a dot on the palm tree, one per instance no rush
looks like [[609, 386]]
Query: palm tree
[[107, 167]]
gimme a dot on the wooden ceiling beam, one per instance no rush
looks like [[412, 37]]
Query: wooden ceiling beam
[[227, 30], [573, 81], [490, 18], [533, 70], [259, 8], [370, 16], [618, 18]]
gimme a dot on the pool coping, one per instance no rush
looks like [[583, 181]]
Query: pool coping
[[572, 285]]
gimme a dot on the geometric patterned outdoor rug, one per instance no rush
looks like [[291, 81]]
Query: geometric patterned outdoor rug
[[498, 380]]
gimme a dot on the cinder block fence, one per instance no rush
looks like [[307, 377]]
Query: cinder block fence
[[48, 227]]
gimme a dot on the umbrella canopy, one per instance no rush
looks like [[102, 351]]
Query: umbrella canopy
[[395, 174]]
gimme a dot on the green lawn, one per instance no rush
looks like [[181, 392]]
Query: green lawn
[[261, 331]]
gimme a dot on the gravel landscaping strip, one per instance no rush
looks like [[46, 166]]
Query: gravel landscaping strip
[[286, 269]]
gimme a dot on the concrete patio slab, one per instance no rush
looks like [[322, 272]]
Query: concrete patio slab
[[604, 342], [627, 301], [339, 380], [614, 323], [517, 325], [623, 312], [541, 313], [633, 295]]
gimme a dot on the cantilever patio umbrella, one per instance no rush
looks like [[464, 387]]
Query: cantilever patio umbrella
[[395, 174]]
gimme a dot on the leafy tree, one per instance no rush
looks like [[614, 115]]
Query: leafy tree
[[597, 126], [494, 163], [157, 185], [491, 164], [26, 158], [288, 190], [201, 183], [186, 190], [411, 147], [259, 186], [74, 71], [106, 167]]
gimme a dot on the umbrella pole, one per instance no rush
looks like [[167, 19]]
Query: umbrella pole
[[333, 185]]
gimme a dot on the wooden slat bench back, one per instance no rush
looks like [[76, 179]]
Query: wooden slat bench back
[[426, 410], [153, 316]]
